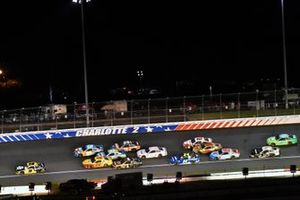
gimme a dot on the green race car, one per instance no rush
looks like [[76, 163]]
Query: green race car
[[282, 140]]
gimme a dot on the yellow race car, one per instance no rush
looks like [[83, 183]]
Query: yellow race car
[[207, 147], [97, 162], [125, 163], [31, 168]]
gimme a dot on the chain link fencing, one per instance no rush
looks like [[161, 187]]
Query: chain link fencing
[[146, 111]]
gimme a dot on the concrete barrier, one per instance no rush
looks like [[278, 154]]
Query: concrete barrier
[[150, 128]]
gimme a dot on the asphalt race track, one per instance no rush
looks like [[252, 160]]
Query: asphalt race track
[[62, 165]]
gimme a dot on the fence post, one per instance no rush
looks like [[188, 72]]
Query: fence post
[[184, 109], [131, 111], [257, 102], [239, 105], [202, 107], [74, 114], [39, 116], [20, 127], [167, 110], [221, 116], [2, 120], [93, 113], [149, 111], [56, 122], [111, 115], [114, 117], [275, 103]]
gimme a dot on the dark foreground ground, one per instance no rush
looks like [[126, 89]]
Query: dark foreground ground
[[264, 189]]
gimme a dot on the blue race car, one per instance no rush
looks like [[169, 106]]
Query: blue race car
[[185, 159]]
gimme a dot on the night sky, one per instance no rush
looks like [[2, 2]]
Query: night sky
[[183, 48]]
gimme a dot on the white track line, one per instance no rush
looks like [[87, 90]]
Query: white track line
[[149, 166]]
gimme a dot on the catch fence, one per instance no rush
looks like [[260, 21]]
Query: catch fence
[[146, 111]]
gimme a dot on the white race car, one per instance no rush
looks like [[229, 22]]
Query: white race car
[[265, 152], [225, 154], [189, 144], [152, 152]]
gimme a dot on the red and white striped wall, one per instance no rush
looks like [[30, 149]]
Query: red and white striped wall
[[238, 123]]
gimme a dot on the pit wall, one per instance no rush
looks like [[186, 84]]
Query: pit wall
[[150, 128]]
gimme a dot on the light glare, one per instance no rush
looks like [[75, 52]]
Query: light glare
[[80, 1]]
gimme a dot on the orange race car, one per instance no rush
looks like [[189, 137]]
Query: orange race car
[[127, 146], [189, 144]]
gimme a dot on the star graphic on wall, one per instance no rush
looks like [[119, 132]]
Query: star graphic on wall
[[149, 129], [167, 129], [48, 136]]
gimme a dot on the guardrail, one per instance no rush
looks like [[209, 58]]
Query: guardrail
[[150, 128]]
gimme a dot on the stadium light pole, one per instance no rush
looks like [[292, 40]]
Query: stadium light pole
[[284, 56], [82, 3]]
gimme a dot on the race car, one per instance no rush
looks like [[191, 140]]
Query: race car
[[185, 159], [127, 146], [189, 144], [224, 154], [265, 152], [126, 163], [97, 162], [88, 150], [207, 147], [31, 168], [152, 152], [282, 140], [113, 154]]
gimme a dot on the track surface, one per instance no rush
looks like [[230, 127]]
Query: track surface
[[62, 165]]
